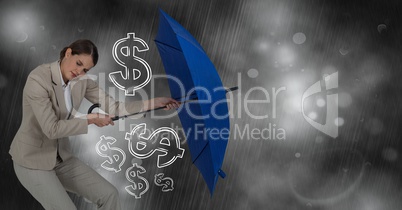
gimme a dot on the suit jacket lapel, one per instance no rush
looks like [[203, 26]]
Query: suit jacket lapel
[[77, 94], [58, 89]]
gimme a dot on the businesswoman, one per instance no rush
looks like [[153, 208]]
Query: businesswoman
[[40, 150]]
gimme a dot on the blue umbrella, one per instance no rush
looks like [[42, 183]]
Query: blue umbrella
[[184, 58]]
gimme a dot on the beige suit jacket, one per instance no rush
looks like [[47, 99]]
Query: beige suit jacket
[[44, 129]]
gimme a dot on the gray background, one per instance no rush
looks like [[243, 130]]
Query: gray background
[[263, 42]]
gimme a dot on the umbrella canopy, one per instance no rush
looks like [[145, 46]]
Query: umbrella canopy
[[206, 121]]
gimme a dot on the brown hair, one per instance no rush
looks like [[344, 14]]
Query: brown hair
[[82, 46]]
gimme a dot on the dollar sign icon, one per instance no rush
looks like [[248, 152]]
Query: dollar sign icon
[[165, 182], [145, 146], [139, 184], [124, 54], [115, 156]]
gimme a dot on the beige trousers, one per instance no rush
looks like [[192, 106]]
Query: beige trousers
[[49, 187]]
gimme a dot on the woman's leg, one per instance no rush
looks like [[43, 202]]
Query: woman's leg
[[81, 179], [45, 187]]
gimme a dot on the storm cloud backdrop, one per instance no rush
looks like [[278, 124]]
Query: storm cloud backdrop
[[274, 50]]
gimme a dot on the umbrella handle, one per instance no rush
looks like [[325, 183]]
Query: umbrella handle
[[97, 105]]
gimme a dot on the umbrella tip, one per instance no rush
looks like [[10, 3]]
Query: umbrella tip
[[221, 173], [161, 11], [232, 89]]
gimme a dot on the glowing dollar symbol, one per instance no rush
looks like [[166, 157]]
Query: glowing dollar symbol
[[139, 184], [125, 48], [115, 156], [165, 182], [157, 141]]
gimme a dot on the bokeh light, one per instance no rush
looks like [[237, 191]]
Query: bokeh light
[[312, 115], [320, 102], [136, 160], [339, 121], [252, 73], [299, 38]]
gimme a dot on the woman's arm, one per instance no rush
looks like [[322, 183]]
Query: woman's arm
[[100, 120], [96, 95], [160, 102], [38, 98]]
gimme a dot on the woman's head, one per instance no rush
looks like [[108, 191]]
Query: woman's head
[[77, 59], [82, 46]]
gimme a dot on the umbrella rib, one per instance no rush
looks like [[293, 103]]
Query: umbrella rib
[[200, 152], [168, 45]]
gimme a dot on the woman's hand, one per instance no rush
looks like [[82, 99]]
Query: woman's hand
[[100, 120], [154, 103]]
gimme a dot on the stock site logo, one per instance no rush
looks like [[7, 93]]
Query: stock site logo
[[136, 69], [329, 83]]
